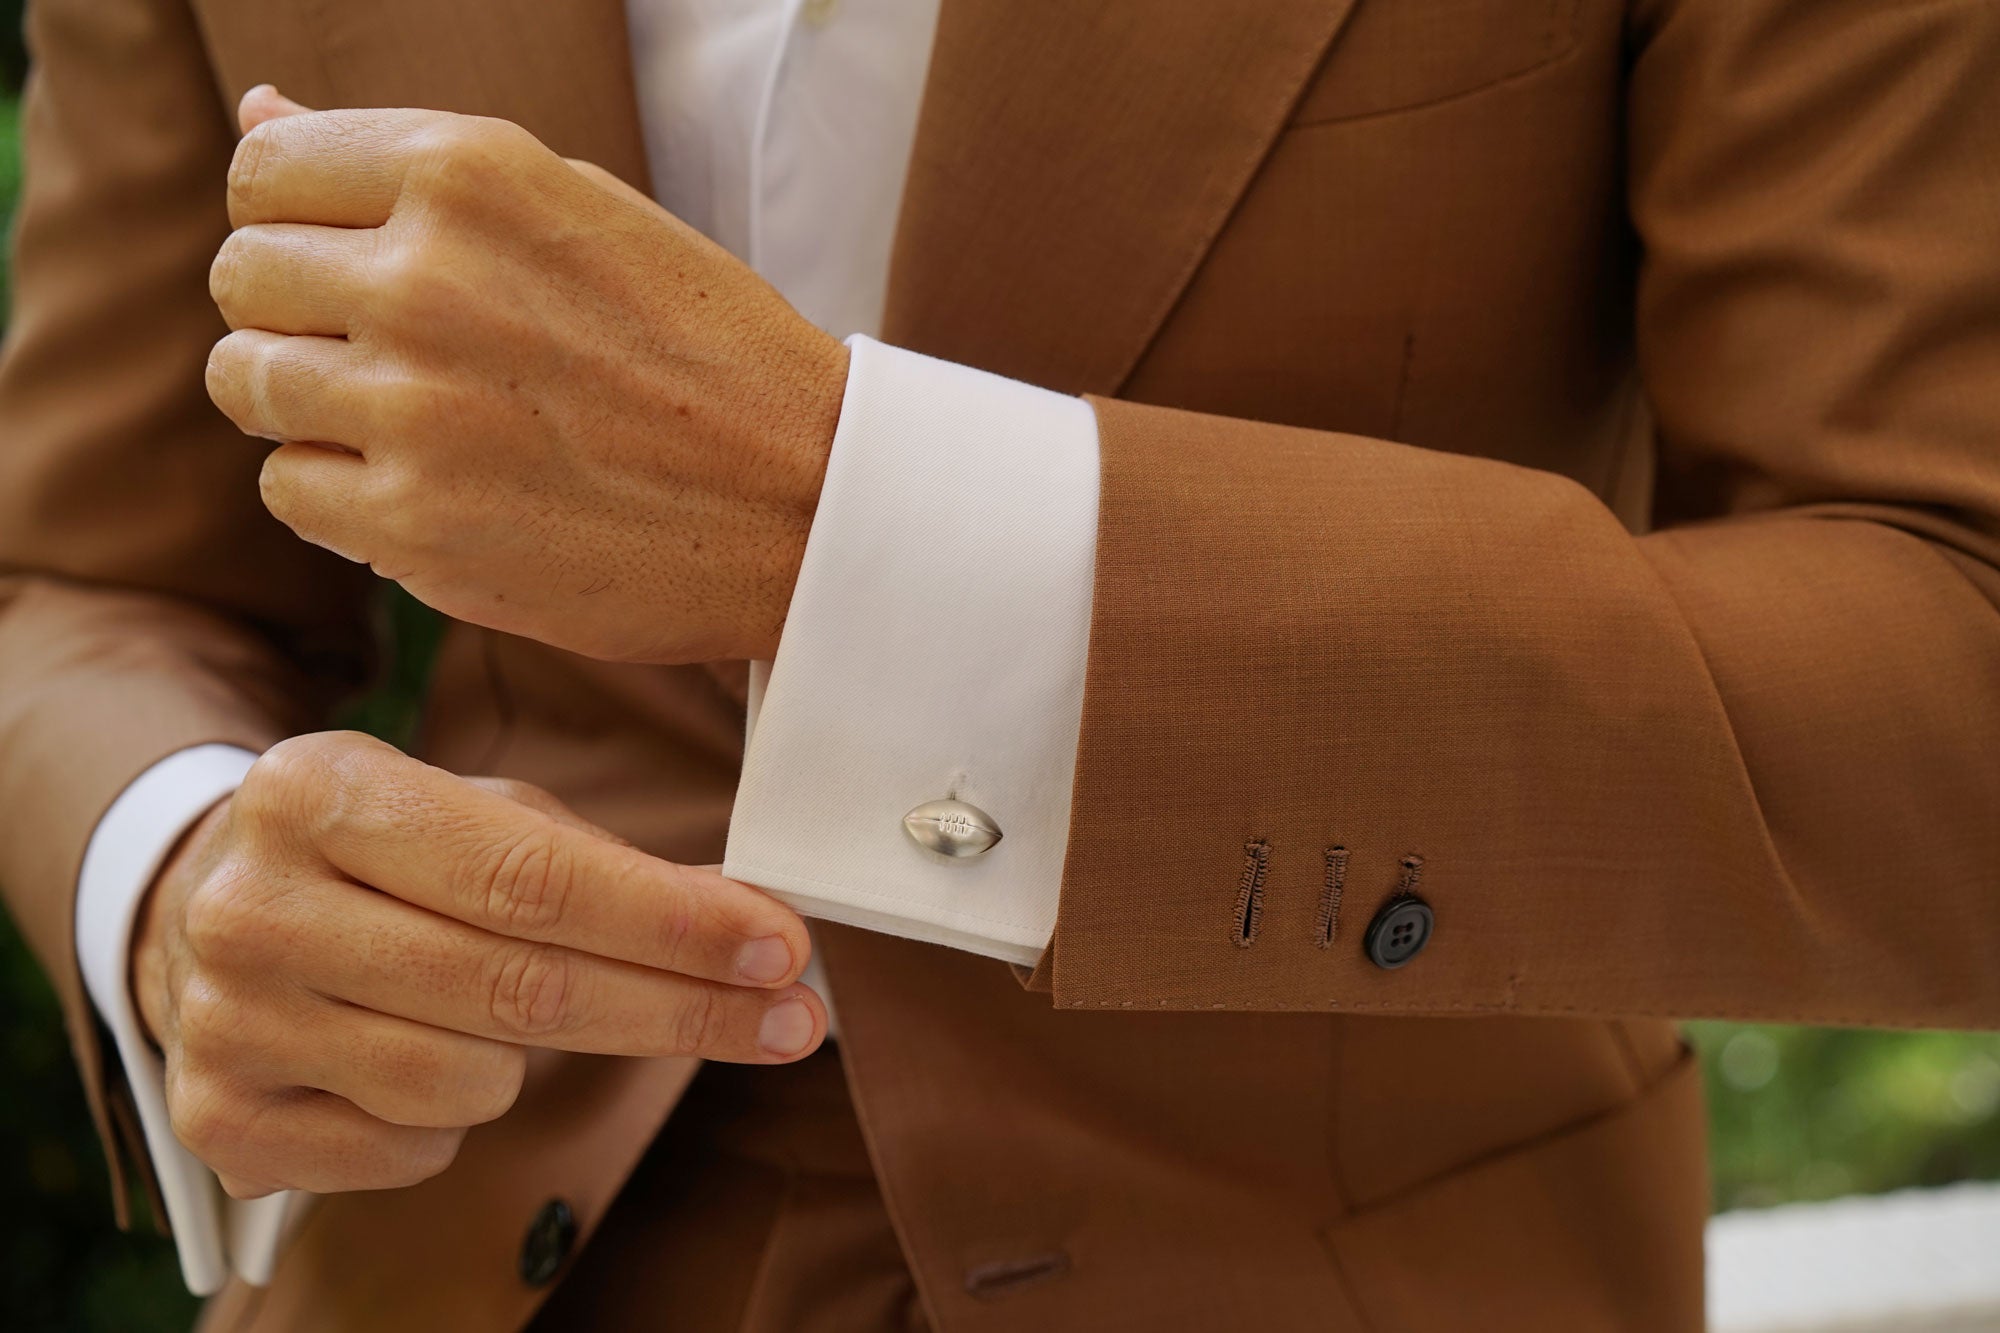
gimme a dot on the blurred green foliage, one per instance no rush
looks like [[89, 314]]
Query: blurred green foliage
[[10, 176], [1797, 1113], [1814, 1113]]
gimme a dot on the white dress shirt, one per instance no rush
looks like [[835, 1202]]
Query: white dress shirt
[[936, 640]]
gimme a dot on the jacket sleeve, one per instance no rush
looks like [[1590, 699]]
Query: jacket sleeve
[[1746, 765], [147, 602]]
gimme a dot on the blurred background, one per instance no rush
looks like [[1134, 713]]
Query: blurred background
[[1798, 1114]]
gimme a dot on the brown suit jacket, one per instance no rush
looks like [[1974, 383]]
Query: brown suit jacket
[[1662, 643]]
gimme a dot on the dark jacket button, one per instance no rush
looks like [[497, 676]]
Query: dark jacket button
[[550, 1238], [1399, 932]]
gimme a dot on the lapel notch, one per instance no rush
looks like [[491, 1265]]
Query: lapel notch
[[1072, 166]]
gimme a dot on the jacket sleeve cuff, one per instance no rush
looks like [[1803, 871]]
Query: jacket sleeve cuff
[[935, 648], [127, 849]]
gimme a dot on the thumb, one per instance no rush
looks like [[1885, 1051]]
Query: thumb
[[263, 103]]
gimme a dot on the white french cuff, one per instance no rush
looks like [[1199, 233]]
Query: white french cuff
[[934, 649], [214, 1234]]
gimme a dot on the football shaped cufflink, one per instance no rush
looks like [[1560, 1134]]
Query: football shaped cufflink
[[952, 828]]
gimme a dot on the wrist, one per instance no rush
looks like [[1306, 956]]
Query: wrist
[[812, 418]]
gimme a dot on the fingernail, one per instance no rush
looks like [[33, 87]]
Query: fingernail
[[787, 1027], [764, 960]]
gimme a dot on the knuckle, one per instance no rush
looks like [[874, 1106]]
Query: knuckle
[[530, 992], [416, 288], [282, 779], [225, 275], [414, 1070], [252, 154], [495, 1084], [206, 1022], [317, 781], [442, 140], [454, 1087], [352, 762], [275, 489], [456, 155], [527, 886], [204, 1115], [389, 1157], [422, 1084], [268, 382], [225, 378], [220, 916], [700, 1024], [268, 786], [490, 137], [395, 264], [405, 517], [678, 931], [215, 375], [404, 404]]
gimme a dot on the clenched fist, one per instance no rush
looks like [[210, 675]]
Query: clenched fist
[[517, 386], [345, 962]]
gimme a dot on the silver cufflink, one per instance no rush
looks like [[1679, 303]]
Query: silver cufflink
[[952, 828]]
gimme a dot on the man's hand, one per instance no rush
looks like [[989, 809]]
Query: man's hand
[[345, 961], [517, 386]]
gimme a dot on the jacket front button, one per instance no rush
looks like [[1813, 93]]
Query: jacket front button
[[550, 1237], [1399, 932]]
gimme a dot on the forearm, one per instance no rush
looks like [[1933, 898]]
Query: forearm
[[1743, 768], [1327, 673], [1747, 765]]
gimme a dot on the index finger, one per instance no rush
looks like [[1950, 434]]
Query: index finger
[[441, 843], [334, 168]]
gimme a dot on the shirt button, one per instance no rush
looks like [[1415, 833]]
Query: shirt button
[[549, 1239], [818, 13], [1399, 932]]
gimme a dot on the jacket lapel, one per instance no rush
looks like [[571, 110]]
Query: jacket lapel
[[1073, 163], [563, 70]]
